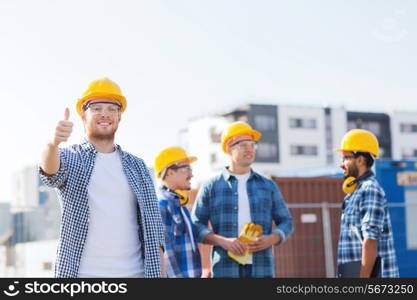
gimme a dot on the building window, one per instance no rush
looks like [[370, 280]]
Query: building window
[[213, 158], [267, 151], [303, 123], [382, 151], [265, 122], [304, 150], [215, 136], [408, 127], [372, 126], [329, 138], [243, 118], [407, 153], [351, 125]]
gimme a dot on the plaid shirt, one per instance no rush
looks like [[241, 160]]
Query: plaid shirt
[[217, 202], [365, 212], [180, 258], [71, 181]]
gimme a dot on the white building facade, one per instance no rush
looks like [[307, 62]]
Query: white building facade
[[404, 135], [294, 138]]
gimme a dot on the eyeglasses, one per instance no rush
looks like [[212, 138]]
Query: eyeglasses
[[187, 168], [245, 144], [347, 157], [99, 107], [177, 167]]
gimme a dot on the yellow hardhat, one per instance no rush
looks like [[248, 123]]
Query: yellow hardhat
[[359, 140], [170, 156], [102, 87], [237, 128]]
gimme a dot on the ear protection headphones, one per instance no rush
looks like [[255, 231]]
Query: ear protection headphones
[[183, 195], [184, 198], [350, 183]]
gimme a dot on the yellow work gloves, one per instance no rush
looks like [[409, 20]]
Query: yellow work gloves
[[250, 232]]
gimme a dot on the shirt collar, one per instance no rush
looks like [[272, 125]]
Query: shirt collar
[[88, 147], [369, 175], [227, 175], [168, 194]]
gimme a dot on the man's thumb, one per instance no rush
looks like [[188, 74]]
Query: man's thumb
[[67, 114]]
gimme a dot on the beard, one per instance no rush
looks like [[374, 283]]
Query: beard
[[352, 171], [97, 135], [103, 137]]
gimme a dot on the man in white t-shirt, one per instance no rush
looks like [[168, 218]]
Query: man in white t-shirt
[[232, 199], [111, 224]]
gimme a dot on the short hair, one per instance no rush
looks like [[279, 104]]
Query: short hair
[[369, 159]]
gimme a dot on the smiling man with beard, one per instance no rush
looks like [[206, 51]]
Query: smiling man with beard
[[111, 225], [235, 198]]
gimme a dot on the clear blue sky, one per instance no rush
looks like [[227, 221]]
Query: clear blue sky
[[175, 60]]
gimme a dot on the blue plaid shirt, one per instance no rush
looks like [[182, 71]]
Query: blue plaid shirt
[[217, 202], [71, 181], [180, 258], [365, 215]]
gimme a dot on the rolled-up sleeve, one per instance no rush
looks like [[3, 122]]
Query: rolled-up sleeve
[[372, 211], [157, 223], [173, 267], [201, 213], [280, 214], [58, 179]]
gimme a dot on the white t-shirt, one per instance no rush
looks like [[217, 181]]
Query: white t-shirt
[[112, 248], [243, 203]]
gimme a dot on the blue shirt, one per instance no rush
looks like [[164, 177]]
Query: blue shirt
[[217, 202], [71, 182], [365, 215], [182, 259]]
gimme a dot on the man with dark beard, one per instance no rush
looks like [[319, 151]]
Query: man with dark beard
[[111, 224], [365, 231]]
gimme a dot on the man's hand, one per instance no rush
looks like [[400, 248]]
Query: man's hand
[[264, 242], [369, 254], [63, 129], [162, 262], [206, 273], [234, 245], [50, 162]]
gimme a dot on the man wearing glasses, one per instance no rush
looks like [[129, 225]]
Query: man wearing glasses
[[234, 198], [111, 224], [365, 229], [182, 256]]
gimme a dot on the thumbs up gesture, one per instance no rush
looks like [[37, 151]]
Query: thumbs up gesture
[[63, 129]]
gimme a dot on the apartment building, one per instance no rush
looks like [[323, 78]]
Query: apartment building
[[297, 139]]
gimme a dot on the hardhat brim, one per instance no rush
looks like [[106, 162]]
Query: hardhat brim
[[256, 135], [189, 159], [355, 150], [118, 98]]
